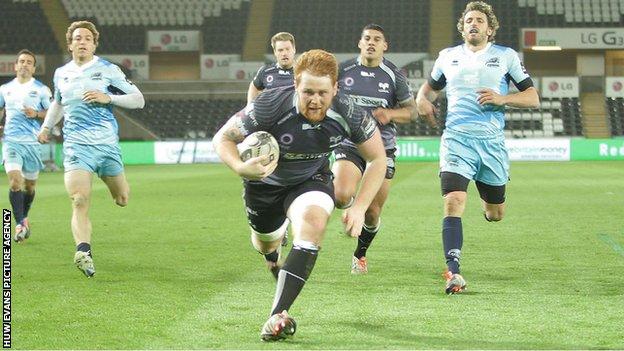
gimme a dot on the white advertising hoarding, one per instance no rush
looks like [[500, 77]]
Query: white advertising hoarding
[[614, 87], [538, 149], [574, 38], [7, 65], [560, 87], [173, 40], [168, 152], [217, 66], [138, 64]]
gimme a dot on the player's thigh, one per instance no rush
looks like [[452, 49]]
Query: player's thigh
[[457, 155], [264, 207], [309, 206], [117, 185], [347, 169], [494, 168], [78, 185]]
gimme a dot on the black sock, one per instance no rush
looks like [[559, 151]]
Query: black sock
[[84, 247], [28, 200], [272, 257], [452, 239], [17, 202], [292, 277], [364, 241]]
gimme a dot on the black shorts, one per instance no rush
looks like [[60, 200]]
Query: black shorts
[[266, 205], [347, 153]]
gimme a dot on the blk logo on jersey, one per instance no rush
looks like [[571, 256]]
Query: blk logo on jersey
[[384, 88], [307, 126], [368, 74], [493, 62], [284, 73]]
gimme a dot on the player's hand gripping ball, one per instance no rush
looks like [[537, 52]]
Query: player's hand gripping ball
[[259, 144]]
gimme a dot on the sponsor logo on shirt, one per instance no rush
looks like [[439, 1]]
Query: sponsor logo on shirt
[[455, 63], [384, 88], [96, 76], [493, 62]]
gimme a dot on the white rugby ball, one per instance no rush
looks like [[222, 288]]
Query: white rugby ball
[[259, 144]]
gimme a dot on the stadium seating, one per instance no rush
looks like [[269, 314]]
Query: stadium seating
[[24, 25], [176, 119], [517, 14], [128, 22], [615, 106], [336, 25]]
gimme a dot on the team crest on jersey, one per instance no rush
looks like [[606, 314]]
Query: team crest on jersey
[[383, 88], [32, 93], [269, 79], [348, 81], [96, 76], [286, 139], [455, 63], [368, 74], [493, 62]]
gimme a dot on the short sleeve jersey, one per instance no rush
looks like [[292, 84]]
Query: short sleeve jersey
[[373, 87], [89, 123], [464, 72], [272, 76], [304, 146], [14, 97]]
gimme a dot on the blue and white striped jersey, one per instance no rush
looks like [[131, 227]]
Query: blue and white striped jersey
[[464, 72], [89, 123], [14, 97]]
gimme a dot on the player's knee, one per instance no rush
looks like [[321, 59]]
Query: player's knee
[[79, 200], [316, 219], [495, 215], [455, 199], [344, 199], [122, 200]]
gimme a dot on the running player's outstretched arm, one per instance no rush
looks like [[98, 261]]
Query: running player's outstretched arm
[[373, 152]]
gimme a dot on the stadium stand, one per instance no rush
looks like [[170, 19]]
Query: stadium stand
[[175, 119], [615, 106], [336, 25], [25, 25], [515, 15], [129, 21]]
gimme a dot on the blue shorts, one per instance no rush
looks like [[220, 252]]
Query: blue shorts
[[22, 157], [103, 159], [483, 159]]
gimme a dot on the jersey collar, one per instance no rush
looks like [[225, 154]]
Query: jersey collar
[[478, 53], [86, 65], [27, 83]]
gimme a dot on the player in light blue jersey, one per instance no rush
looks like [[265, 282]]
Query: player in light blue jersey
[[476, 75], [25, 101], [85, 90]]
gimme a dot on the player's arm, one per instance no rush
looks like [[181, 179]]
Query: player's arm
[[523, 99], [32, 113], [225, 142], [424, 102], [252, 93], [256, 86], [404, 114], [52, 117]]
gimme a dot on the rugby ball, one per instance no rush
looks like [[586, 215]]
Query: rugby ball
[[259, 144]]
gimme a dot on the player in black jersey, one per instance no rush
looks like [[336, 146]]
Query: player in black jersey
[[379, 87], [309, 120], [279, 73]]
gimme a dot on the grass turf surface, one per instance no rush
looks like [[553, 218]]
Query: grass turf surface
[[176, 270]]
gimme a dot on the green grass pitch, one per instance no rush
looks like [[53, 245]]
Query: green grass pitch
[[176, 270]]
